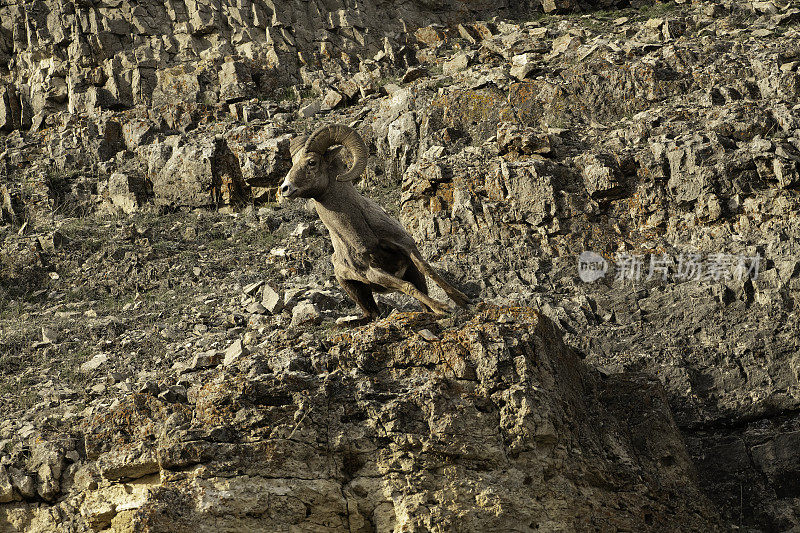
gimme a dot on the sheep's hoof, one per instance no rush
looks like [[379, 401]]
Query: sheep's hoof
[[353, 321]]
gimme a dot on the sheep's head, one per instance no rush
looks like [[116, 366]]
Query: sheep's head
[[315, 162]]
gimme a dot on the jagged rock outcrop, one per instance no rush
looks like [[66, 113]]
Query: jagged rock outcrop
[[89, 56], [489, 424]]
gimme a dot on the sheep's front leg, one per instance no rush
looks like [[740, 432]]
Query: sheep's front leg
[[456, 295], [361, 294], [384, 279]]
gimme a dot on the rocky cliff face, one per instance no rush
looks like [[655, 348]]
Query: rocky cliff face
[[168, 347], [487, 424], [86, 57]]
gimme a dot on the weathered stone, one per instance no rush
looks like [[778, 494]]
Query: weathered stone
[[430, 36], [256, 308], [271, 300], [6, 488], [305, 313], [236, 82], [251, 288], [125, 192], [331, 100], [22, 482], [206, 359], [309, 110], [554, 6], [10, 109], [49, 335], [130, 463], [234, 352], [200, 174], [522, 140], [94, 363], [172, 394], [457, 63], [138, 132], [349, 89], [414, 73]]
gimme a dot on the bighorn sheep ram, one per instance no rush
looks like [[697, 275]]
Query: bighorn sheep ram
[[371, 250]]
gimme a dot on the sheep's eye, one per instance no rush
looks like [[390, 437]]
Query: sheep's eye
[[312, 163]]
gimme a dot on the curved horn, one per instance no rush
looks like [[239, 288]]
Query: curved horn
[[327, 136], [296, 144]]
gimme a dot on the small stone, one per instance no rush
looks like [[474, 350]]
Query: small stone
[[308, 111], [49, 335], [250, 338], [565, 43], [467, 33], [173, 394], [207, 359], [767, 7], [234, 352], [414, 73], [324, 300], [332, 100], [94, 363], [292, 296], [303, 230], [305, 313], [22, 482], [522, 71], [251, 288], [391, 88], [256, 308], [350, 89], [271, 300], [459, 62], [149, 387], [6, 488], [428, 335], [181, 367], [122, 192]]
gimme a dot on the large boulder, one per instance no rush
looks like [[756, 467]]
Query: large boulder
[[203, 172], [489, 424]]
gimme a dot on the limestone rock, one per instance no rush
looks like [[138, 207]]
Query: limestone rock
[[203, 173], [6, 488], [235, 81], [305, 313], [125, 192]]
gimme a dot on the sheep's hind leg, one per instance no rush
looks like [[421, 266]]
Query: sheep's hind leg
[[361, 294], [456, 295], [384, 279], [417, 279]]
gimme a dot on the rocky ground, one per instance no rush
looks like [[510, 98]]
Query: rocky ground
[[168, 342]]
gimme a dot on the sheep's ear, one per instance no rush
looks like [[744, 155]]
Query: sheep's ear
[[333, 153]]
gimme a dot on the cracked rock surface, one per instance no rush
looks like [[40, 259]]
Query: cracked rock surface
[[495, 426], [169, 352]]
